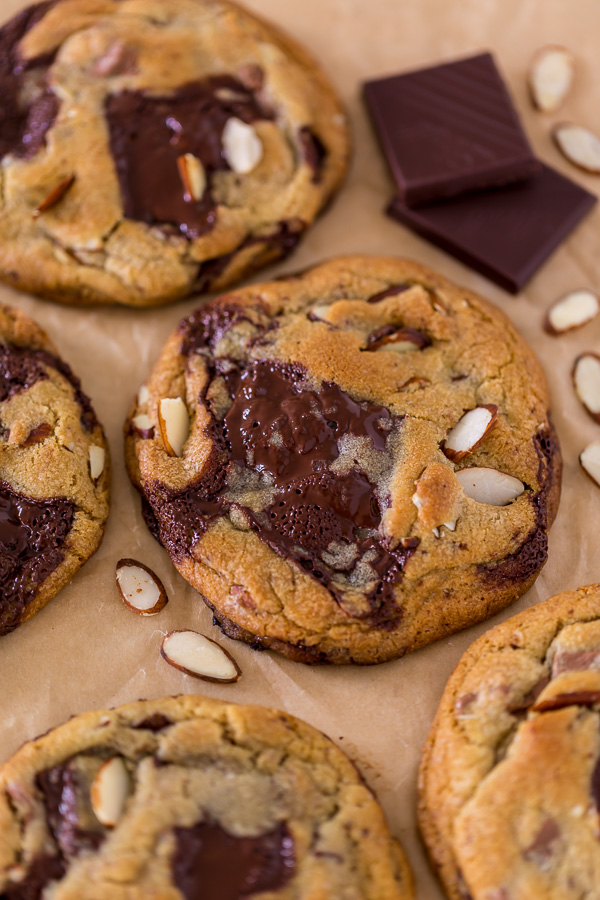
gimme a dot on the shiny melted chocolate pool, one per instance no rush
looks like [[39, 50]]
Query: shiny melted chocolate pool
[[33, 537], [304, 465]]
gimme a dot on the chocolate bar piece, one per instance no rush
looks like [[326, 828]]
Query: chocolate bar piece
[[505, 234], [449, 129]]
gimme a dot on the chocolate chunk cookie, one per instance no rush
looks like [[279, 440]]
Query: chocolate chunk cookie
[[326, 459], [54, 472], [151, 149], [510, 776], [192, 798]]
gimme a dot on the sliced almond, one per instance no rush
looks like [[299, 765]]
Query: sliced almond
[[586, 378], [140, 588], [470, 431], [55, 196], [487, 485], [97, 457], [109, 791], [579, 145], [193, 176], [572, 311], [590, 461], [242, 147], [38, 434], [401, 341], [319, 314], [143, 395], [142, 425], [174, 424], [199, 656], [550, 77]]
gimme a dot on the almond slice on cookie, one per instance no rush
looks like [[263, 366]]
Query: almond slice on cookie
[[470, 431], [486, 485]]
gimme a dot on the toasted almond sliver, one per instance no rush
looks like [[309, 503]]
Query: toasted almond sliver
[[487, 485], [586, 378], [550, 77], [38, 434], [55, 196], [109, 791], [319, 313], [590, 461], [143, 395], [242, 147], [572, 311], [140, 588], [192, 175], [469, 432], [579, 145], [199, 656], [97, 457], [143, 425], [401, 341], [174, 424]]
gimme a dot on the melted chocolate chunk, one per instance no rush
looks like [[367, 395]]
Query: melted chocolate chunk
[[22, 367], [156, 722], [549, 471], [533, 552], [389, 292], [210, 864], [595, 785], [66, 800], [281, 427], [277, 425], [42, 870], [315, 152], [521, 565], [33, 535], [148, 134], [311, 513], [205, 328], [23, 126]]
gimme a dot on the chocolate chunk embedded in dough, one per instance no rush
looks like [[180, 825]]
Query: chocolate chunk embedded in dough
[[212, 864]]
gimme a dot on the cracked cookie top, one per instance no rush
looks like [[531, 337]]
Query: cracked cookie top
[[153, 149], [187, 797], [350, 462], [54, 472], [510, 777]]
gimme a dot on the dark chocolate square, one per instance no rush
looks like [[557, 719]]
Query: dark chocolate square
[[449, 129], [505, 234]]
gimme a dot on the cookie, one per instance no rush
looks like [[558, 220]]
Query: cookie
[[151, 149], [313, 501], [510, 776], [54, 471], [190, 797]]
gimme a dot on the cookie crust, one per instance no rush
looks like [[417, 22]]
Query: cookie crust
[[508, 782], [450, 561], [196, 767], [52, 509], [80, 75]]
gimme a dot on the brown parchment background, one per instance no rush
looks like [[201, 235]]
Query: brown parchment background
[[86, 649]]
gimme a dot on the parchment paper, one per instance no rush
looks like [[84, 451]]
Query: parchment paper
[[86, 649]]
